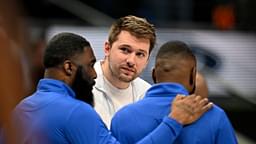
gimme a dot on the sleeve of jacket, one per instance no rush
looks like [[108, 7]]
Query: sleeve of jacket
[[84, 126], [165, 133]]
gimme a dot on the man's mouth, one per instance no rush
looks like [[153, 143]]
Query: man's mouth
[[128, 70]]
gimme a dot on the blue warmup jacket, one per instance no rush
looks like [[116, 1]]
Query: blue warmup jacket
[[52, 115], [212, 128]]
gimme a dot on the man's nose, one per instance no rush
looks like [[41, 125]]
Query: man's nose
[[131, 59]]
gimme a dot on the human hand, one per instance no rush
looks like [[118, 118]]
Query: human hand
[[187, 109]]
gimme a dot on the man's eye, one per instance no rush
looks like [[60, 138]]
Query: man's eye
[[141, 55], [125, 50]]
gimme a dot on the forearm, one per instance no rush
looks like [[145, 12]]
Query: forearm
[[165, 133]]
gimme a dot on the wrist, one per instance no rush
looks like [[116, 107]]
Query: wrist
[[178, 118]]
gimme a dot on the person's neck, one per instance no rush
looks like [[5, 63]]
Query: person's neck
[[55, 73], [112, 79]]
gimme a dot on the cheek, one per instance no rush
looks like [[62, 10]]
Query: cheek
[[116, 58], [116, 55], [92, 73], [87, 75], [141, 65]]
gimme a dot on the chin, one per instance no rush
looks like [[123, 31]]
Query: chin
[[126, 78]]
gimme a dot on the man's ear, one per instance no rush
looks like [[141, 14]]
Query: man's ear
[[192, 79], [153, 75], [107, 48], [68, 68]]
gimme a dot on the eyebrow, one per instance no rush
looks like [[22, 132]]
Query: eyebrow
[[140, 50], [126, 45]]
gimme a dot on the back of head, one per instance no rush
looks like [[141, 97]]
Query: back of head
[[63, 46], [138, 27], [175, 62]]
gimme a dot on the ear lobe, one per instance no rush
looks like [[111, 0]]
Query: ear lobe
[[192, 79], [107, 48], [68, 68], [69, 72]]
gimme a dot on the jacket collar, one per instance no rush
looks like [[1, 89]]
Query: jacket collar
[[166, 90], [53, 85]]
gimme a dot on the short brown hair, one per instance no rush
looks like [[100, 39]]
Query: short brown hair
[[138, 27]]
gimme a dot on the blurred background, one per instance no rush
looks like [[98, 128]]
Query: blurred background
[[222, 33]]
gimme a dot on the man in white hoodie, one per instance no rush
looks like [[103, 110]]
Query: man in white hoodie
[[130, 42]]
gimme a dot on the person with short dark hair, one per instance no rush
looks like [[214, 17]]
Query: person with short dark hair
[[174, 73]]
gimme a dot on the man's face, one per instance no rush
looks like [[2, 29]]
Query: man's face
[[127, 57], [84, 78]]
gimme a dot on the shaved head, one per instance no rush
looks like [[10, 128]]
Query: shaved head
[[175, 62]]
